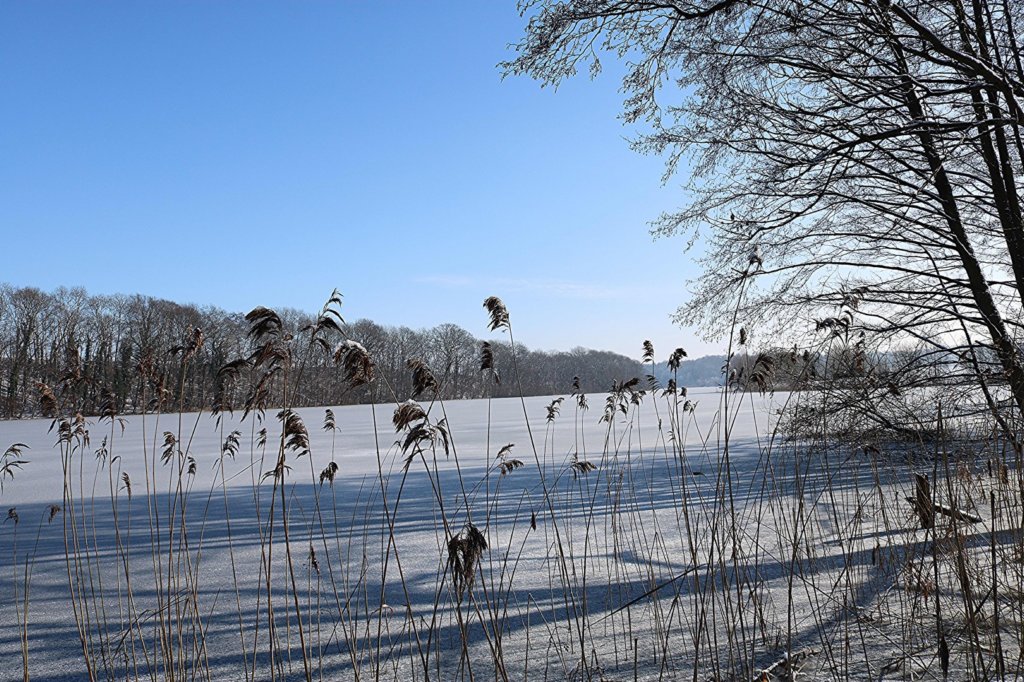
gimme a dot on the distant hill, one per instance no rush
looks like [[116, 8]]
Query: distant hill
[[705, 371]]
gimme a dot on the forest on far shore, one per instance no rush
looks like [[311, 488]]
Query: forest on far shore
[[117, 352]]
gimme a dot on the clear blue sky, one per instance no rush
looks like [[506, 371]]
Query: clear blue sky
[[250, 153]]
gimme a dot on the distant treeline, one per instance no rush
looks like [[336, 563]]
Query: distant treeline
[[123, 353]]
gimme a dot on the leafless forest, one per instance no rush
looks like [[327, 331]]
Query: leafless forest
[[96, 346]]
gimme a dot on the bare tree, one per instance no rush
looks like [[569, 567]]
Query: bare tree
[[454, 354], [859, 157]]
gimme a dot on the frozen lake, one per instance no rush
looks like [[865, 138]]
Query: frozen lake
[[478, 430], [644, 545]]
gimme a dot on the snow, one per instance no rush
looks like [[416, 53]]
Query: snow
[[747, 547]]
